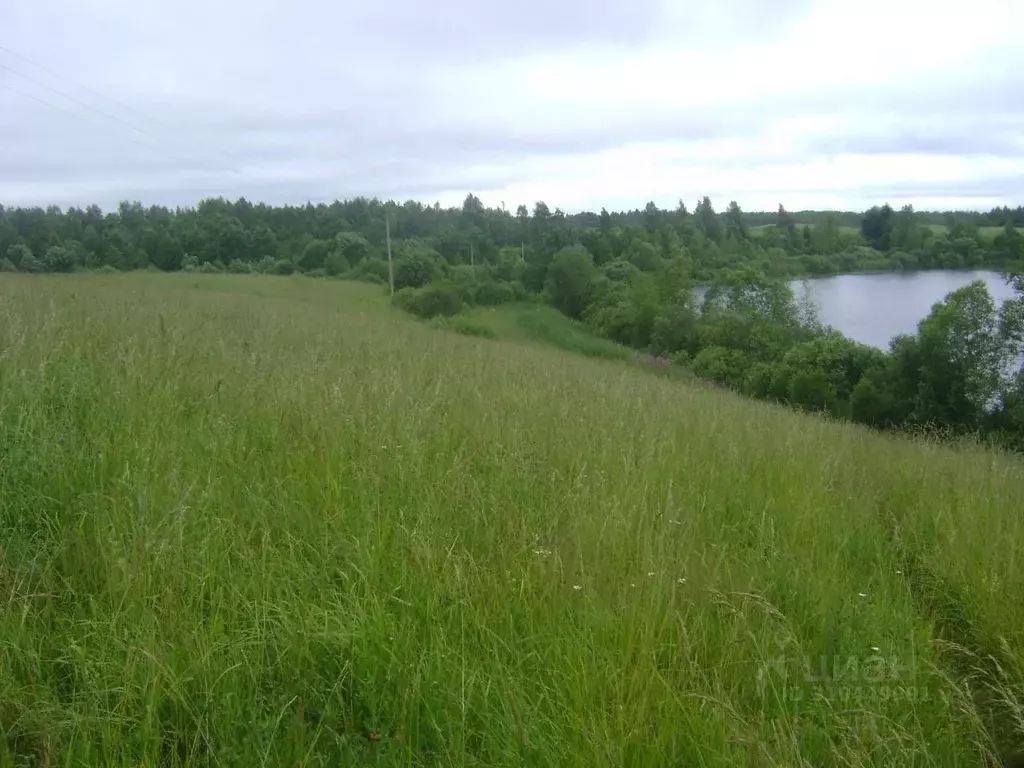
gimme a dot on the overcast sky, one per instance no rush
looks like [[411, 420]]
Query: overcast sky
[[811, 103]]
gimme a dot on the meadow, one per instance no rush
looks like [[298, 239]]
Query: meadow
[[250, 521]]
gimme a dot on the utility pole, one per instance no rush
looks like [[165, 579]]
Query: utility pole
[[391, 271]]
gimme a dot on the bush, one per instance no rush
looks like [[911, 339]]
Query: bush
[[210, 268], [758, 382], [317, 273], [264, 265], [491, 293], [570, 280], [370, 271], [283, 267], [30, 263], [6, 265], [466, 326], [726, 366], [415, 271], [336, 264], [106, 269], [619, 270], [189, 263], [58, 259], [239, 267], [437, 300], [682, 358]]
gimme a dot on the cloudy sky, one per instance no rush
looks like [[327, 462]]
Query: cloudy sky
[[812, 103]]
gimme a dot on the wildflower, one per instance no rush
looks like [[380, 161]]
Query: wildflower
[[652, 573], [863, 595], [876, 649], [542, 552], [680, 581], [577, 587]]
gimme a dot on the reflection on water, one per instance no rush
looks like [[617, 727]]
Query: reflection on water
[[873, 309]]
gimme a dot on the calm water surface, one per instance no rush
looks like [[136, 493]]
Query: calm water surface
[[874, 308]]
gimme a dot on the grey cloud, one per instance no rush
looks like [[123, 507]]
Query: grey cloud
[[314, 100], [998, 135]]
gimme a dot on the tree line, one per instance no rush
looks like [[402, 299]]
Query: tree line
[[630, 276], [221, 235]]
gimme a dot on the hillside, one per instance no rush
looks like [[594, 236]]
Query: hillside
[[272, 521]]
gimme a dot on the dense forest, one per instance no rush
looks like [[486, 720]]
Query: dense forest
[[631, 277], [240, 236]]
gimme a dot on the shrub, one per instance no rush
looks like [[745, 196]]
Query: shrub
[[283, 267], [466, 326], [336, 264], [437, 300], [726, 366], [6, 265], [209, 268], [264, 266], [570, 280], [314, 255], [189, 263], [415, 271], [29, 263], [490, 293], [58, 259], [370, 271], [619, 270], [239, 267], [106, 269], [317, 273]]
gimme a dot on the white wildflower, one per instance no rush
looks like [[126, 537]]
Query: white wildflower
[[863, 594], [577, 587]]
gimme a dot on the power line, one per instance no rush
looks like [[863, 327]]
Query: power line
[[110, 99], [106, 114]]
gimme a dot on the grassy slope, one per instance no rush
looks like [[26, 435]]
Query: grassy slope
[[266, 521]]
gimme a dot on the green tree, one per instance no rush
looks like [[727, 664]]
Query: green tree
[[734, 226], [314, 255], [417, 269], [876, 227], [961, 359], [707, 221], [336, 264], [18, 252], [352, 246], [58, 259], [570, 280], [786, 225]]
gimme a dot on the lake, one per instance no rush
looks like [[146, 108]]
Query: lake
[[872, 309]]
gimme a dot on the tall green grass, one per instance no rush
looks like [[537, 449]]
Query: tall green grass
[[264, 521]]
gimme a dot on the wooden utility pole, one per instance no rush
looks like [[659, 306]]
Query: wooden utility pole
[[391, 271]]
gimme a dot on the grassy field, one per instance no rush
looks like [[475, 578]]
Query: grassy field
[[269, 521]]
